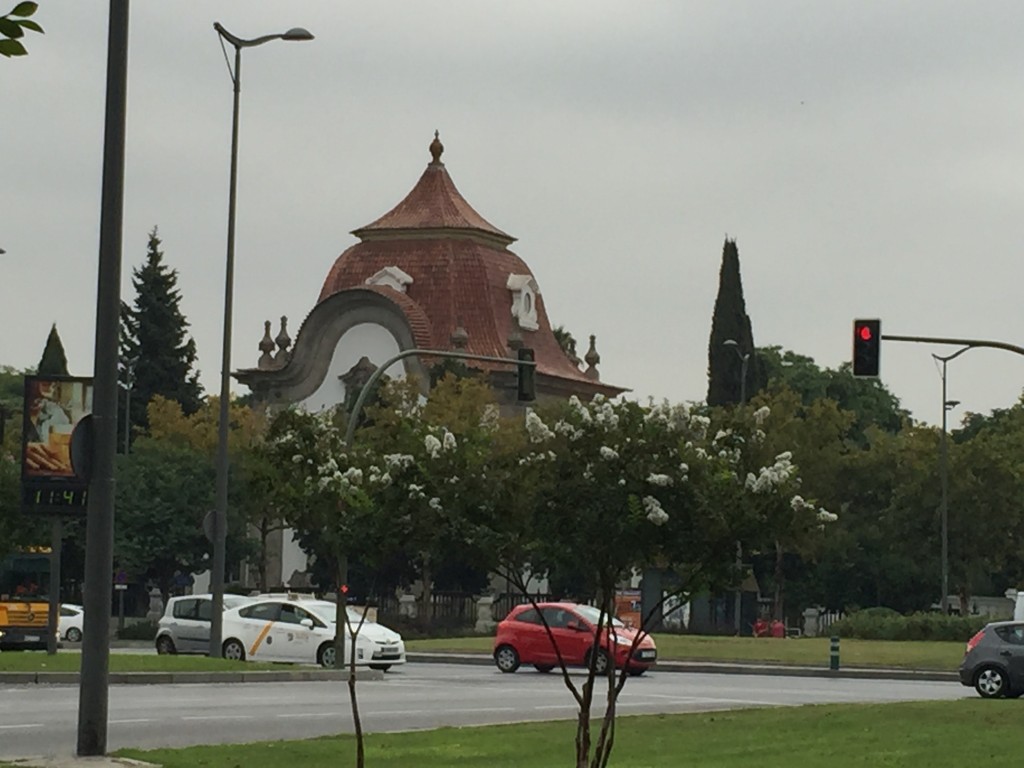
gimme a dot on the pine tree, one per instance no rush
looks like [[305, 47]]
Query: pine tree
[[731, 323], [157, 355], [53, 362]]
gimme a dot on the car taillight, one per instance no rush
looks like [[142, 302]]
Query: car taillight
[[974, 641]]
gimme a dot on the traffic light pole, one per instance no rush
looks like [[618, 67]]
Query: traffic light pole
[[959, 342]]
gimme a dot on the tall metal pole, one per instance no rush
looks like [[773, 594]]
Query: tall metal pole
[[944, 480], [944, 473], [99, 537], [738, 598], [220, 512]]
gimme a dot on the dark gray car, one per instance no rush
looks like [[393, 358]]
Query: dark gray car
[[994, 660]]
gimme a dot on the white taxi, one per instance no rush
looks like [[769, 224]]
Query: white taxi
[[302, 630]]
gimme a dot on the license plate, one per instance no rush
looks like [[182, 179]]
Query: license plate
[[648, 654], [32, 638]]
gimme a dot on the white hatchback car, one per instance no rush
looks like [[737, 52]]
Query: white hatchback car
[[303, 630], [69, 625]]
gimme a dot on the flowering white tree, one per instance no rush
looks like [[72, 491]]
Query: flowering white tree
[[622, 487], [762, 440]]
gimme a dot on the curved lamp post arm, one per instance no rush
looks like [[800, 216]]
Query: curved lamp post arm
[[353, 418]]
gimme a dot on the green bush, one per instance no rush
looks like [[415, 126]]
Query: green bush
[[139, 630], [887, 624]]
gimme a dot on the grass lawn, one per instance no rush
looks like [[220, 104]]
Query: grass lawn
[[808, 651], [803, 651], [935, 734]]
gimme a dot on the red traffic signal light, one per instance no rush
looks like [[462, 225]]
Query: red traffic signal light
[[867, 343]]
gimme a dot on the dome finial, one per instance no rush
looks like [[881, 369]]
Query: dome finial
[[436, 148]]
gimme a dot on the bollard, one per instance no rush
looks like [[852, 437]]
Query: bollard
[[833, 654]]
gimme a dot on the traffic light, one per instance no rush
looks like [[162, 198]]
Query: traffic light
[[526, 386], [867, 343]]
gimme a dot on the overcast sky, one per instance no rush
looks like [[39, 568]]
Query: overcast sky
[[866, 157]]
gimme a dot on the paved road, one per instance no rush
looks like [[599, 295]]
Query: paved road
[[42, 719]]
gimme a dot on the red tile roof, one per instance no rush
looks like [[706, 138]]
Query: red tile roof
[[433, 204], [460, 265]]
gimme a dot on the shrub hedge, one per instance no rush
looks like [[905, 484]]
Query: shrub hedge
[[885, 624]]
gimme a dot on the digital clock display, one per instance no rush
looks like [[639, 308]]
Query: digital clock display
[[64, 499]]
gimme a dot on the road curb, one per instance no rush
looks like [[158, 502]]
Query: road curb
[[726, 668], [184, 678]]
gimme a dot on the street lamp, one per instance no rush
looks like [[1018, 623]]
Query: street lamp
[[221, 509], [744, 359], [944, 479]]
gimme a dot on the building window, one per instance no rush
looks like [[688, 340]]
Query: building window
[[524, 300]]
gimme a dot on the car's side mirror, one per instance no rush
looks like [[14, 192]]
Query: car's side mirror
[[307, 623], [575, 625]]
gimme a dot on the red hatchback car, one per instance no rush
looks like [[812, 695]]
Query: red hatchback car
[[522, 639]]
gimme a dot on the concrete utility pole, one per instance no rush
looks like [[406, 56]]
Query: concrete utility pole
[[99, 536]]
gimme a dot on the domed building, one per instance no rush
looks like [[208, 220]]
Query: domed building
[[431, 273]]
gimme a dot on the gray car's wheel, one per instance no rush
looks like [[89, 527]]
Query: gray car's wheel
[[990, 682], [326, 656], [73, 635], [507, 658], [164, 645], [233, 650]]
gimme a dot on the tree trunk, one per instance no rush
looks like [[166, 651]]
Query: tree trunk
[[264, 533], [779, 581], [343, 627], [427, 579]]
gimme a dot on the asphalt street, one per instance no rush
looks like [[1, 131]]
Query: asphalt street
[[41, 719]]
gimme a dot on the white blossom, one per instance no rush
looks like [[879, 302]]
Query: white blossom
[[433, 446], [660, 480], [761, 414], [398, 461], [654, 511], [448, 441], [825, 516], [608, 454], [435, 504], [537, 429], [297, 458]]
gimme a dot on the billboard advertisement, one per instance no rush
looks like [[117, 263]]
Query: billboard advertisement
[[56, 444]]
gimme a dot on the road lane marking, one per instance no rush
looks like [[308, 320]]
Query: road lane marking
[[218, 717], [285, 715], [23, 726], [133, 720]]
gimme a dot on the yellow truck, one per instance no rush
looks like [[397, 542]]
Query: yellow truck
[[24, 623]]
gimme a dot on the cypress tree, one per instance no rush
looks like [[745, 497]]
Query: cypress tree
[[731, 323], [53, 362], [157, 355]]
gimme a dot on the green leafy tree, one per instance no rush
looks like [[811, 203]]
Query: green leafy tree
[[53, 362], [13, 26], [164, 489], [730, 323], [157, 357], [567, 342], [868, 400]]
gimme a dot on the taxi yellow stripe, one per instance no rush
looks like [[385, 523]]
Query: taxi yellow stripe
[[263, 633]]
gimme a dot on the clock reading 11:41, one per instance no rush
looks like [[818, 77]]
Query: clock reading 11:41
[[69, 499]]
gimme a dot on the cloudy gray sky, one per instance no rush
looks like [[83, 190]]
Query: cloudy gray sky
[[866, 156]]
